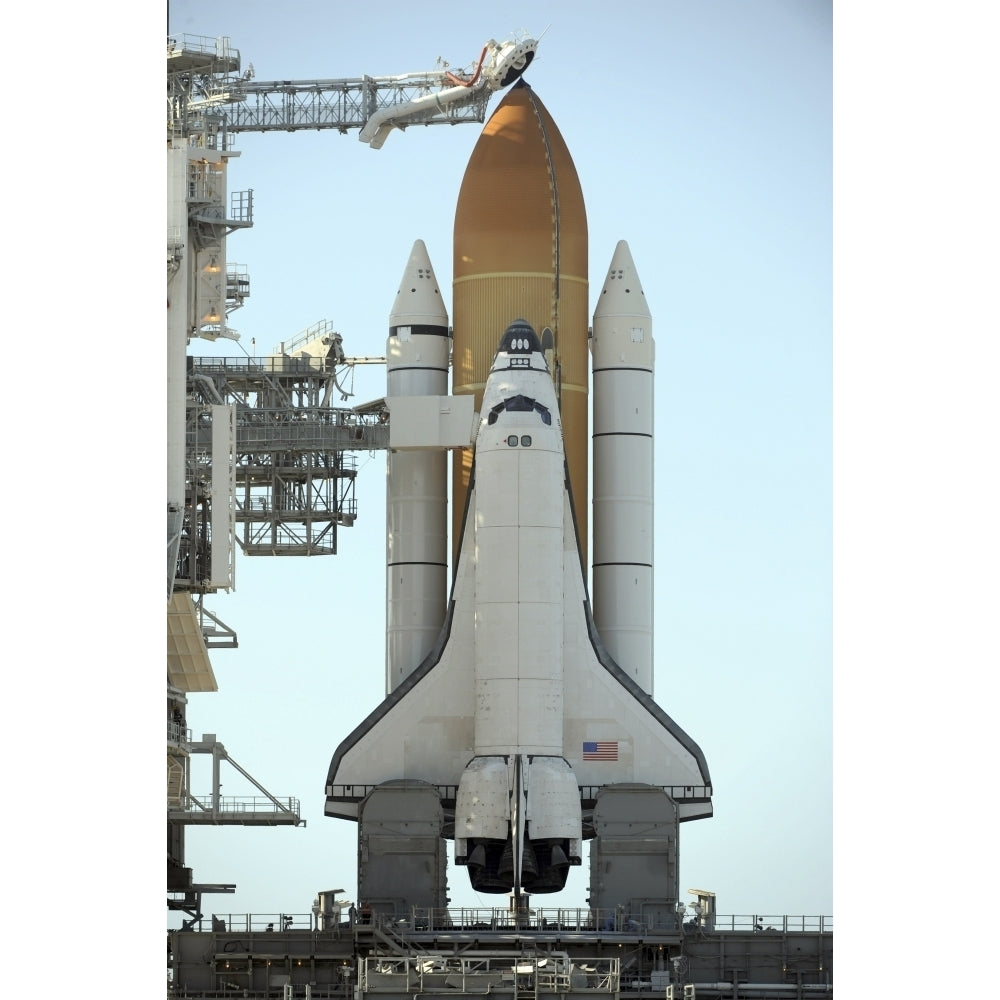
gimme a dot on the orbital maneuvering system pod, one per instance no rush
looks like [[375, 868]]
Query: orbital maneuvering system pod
[[513, 724]]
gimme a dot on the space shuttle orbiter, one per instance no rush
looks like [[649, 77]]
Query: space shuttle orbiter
[[510, 700], [519, 707]]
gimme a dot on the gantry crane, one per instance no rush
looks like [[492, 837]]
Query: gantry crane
[[204, 79], [209, 100], [256, 444]]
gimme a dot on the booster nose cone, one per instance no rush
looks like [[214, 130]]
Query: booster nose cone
[[622, 294], [418, 300]]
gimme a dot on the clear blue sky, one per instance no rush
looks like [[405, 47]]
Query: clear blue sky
[[702, 136]]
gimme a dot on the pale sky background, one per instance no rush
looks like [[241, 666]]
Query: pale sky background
[[701, 132], [702, 136]]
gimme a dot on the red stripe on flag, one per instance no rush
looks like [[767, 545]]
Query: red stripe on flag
[[601, 750]]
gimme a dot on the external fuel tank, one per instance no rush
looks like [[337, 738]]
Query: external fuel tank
[[520, 252]]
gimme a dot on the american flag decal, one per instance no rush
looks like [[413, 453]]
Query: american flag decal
[[601, 750]]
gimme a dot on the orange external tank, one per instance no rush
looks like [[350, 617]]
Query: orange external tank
[[520, 252]]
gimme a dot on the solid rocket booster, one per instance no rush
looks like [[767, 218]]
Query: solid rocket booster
[[622, 349], [520, 251], [416, 354]]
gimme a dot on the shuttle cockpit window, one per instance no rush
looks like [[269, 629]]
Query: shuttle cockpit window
[[521, 404], [520, 338]]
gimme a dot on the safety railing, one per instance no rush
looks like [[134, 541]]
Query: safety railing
[[761, 923], [178, 733], [234, 805], [421, 920]]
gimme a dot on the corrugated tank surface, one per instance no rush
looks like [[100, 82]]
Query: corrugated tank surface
[[520, 251]]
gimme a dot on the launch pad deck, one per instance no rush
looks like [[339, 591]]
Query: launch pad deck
[[466, 952]]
